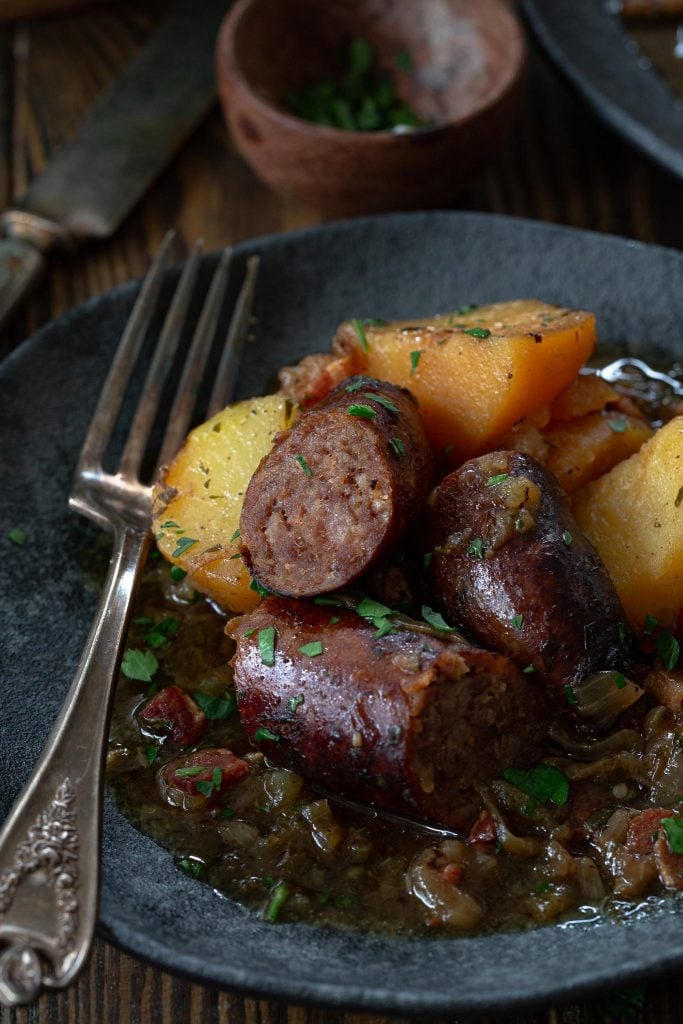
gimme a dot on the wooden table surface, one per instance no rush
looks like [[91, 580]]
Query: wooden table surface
[[560, 164]]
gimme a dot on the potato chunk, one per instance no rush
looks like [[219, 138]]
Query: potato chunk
[[198, 499], [475, 373], [634, 517]]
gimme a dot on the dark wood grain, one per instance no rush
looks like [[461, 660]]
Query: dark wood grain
[[560, 164]]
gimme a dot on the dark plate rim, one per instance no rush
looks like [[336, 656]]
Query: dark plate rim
[[594, 40], [349, 994]]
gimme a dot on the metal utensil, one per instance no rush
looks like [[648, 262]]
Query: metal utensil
[[123, 144], [50, 843]]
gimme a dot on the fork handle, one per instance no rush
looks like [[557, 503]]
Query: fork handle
[[50, 842]]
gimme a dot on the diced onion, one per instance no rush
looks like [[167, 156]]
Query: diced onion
[[604, 695]]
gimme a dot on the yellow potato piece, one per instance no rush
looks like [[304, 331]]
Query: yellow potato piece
[[199, 497], [475, 374], [634, 517]]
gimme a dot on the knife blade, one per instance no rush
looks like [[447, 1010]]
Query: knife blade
[[123, 143]]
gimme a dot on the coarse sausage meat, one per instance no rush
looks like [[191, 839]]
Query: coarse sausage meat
[[408, 720], [513, 569], [337, 490]]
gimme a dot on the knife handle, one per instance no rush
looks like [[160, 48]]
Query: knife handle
[[21, 264]]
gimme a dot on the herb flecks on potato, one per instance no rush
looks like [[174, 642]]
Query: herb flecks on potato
[[477, 371], [198, 498]]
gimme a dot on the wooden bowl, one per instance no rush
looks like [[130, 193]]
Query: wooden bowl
[[464, 79]]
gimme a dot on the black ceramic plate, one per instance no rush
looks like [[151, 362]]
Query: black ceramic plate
[[394, 266], [587, 41]]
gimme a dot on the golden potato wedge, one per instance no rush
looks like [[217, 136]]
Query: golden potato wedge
[[197, 500], [634, 517], [475, 373]]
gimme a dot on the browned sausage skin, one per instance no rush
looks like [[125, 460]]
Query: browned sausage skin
[[337, 490], [407, 720], [512, 567]]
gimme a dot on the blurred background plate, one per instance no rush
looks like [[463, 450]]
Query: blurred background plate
[[393, 266], [589, 43]]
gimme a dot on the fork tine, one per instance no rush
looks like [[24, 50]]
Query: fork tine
[[195, 363], [159, 367], [226, 375], [134, 332]]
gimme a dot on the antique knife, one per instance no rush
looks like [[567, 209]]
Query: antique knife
[[124, 142]]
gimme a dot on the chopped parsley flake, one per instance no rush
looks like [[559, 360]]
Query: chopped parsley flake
[[189, 773], [369, 609], [184, 544], [493, 481], [17, 536], [296, 702], [544, 783], [436, 620], [161, 633], [304, 465], [529, 669], [476, 547], [177, 573], [235, 535], [381, 400], [517, 620], [570, 695], [414, 360], [619, 681], [364, 412], [383, 626], [194, 868], [478, 332], [567, 537], [355, 385], [668, 649], [228, 813], [266, 645], [265, 734], [216, 708], [397, 446], [359, 328], [674, 833], [140, 665], [618, 426], [152, 753], [313, 649], [259, 588], [427, 559], [278, 897], [206, 788]]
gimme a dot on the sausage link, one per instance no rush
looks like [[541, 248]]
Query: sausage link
[[513, 568], [337, 490], [407, 720]]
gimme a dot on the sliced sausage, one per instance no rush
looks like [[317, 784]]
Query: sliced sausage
[[512, 567], [408, 720], [337, 490]]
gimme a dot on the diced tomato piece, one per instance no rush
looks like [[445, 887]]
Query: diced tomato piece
[[182, 773], [483, 831], [173, 713]]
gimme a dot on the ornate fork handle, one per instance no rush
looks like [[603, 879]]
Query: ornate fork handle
[[50, 842]]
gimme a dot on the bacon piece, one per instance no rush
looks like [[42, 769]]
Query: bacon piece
[[215, 768], [173, 713], [647, 836]]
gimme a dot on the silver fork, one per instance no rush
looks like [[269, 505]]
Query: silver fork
[[50, 843]]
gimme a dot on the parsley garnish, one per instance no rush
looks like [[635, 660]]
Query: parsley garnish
[[383, 626], [355, 385], [364, 412], [359, 328], [259, 588], [235, 535], [414, 360], [206, 788], [543, 783], [265, 734], [651, 624], [381, 400], [436, 620], [497, 479], [674, 833], [140, 665], [17, 536], [529, 669], [266, 645], [152, 753], [216, 708], [570, 695], [177, 573], [304, 465], [369, 609], [194, 868], [278, 897], [397, 446], [476, 547], [618, 425], [517, 620], [478, 332], [313, 649], [296, 702], [183, 545], [229, 813], [668, 649], [161, 633], [467, 308], [567, 537], [619, 681], [190, 772], [427, 559]]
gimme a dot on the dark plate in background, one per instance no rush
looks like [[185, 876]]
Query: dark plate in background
[[396, 266], [589, 43]]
